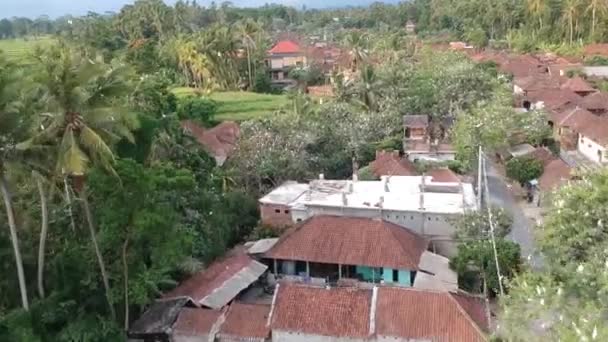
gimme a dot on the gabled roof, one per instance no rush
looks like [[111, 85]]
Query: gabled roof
[[158, 319], [336, 312], [219, 141], [443, 175], [588, 124], [537, 82], [543, 155], [245, 321], [195, 321], [416, 121], [391, 164], [553, 98], [351, 241], [577, 84], [285, 47], [555, 173], [431, 316], [595, 101], [221, 282]]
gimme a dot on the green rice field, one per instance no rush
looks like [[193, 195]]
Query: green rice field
[[20, 50]]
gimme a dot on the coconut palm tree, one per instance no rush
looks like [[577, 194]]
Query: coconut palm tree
[[356, 43], [570, 15], [596, 7], [13, 128], [83, 100], [247, 30], [537, 9]]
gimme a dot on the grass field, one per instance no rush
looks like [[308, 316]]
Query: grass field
[[241, 105], [18, 50]]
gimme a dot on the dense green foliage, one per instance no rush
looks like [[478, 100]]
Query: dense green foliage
[[199, 109], [524, 169]]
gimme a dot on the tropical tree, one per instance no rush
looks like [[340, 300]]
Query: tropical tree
[[356, 42], [14, 127], [537, 9], [247, 30], [596, 7], [570, 16], [84, 116]]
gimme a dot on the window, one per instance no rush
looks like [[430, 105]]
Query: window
[[436, 218], [299, 220], [395, 275], [429, 218], [278, 211], [589, 145], [411, 217], [286, 211]]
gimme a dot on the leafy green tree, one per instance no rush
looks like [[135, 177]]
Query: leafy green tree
[[200, 109], [524, 169], [475, 225]]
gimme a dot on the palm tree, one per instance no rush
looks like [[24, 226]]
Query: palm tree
[[596, 7], [367, 88], [570, 15], [12, 129], [247, 30], [537, 9], [356, 43], [83, 101]]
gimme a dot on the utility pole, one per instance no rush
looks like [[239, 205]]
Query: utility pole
[[490, 218], [479, 186]]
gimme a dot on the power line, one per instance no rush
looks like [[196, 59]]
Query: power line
[[490, 218]]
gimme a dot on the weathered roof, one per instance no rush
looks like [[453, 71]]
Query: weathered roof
[[285, 46], [555, 173], [351, 241], [427, 315], [435, 273], [262, 246], [543, 155], [245, 321], [391, 164], [595, 101], [521, 65], [196, 321], [443, 175], [416, 121], [537, 82], [336, 312], [285, 194], [553, 98], [577, 84], [588, 124], [521, 150], [221, 282], [219, 141], [320, 91], [159, 318]]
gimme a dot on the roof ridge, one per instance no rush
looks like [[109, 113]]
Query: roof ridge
[[393, 231]]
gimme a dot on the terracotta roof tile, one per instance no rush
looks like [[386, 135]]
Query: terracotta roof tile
[[285, 46], [195, 321], [555, 173], [596, 49], [427, 315], [537, 82], [443, 175], [321, 91], [543, 155], [588, 124], [246, 321], [219, 141], [391, 164], [553, 98], [595, 101], [338, 312], [351, 241], [577, 84]]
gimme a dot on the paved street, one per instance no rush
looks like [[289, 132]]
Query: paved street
[[521, 231]]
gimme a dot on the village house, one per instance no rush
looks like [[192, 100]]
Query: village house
[[390, 163], [417, 202], [308, 313], [596, 103], [335, 249], [282, 57], [219, 141], [415, 127], [551, 99], [418, 142], [578, 85], [582, 133]]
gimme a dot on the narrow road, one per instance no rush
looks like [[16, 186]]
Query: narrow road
[[521, 230]]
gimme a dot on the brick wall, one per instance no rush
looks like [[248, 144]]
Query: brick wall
[[275, 215]]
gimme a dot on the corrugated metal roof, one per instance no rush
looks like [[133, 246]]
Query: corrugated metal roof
[[262, 246]]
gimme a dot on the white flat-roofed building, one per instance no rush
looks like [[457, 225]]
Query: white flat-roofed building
[[415, 202]]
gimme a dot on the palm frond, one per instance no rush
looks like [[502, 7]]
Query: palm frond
[[96, 147], [71, 160]]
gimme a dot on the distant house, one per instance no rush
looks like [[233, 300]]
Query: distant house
[[245, 323], [195, 324], [219, 141], [551, 99], [410, 27], [282, 57], [156, 324], [596, 103], [307, 313], [523, 86], [415, 127], [578, 85], [425, 150], [390, 163]]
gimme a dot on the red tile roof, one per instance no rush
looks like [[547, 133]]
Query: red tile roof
[[391, 164], [351, 241], [537, 82], [553, 98], [543, 155], [555, 173], [427, 315], [246, 321], [321, 91], [588, 124], [443, 175], [220, 141], [205, 282], [339, 312], [195, 321], [577, 84], [595, 101], [596, 49], [285, 46]]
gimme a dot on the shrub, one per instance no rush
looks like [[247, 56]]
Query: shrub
[[200, 109], [524, 169], [261, 82], [596, 61]]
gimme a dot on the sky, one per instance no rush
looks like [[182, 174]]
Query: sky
[[57, 8]]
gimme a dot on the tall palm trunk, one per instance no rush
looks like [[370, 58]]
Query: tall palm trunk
[[102, 266], [593, 23], [249, 66], [14, 239], [125, 269], [69, 200], [571, 31], [43, 233]]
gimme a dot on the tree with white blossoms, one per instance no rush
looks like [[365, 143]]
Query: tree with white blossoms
[[568, 299]]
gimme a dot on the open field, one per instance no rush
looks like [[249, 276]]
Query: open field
[[18, 50], [241, 105]]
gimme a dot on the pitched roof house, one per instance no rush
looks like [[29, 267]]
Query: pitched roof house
[[596, 103], [245, 323], [219, 141], [195, 324], [390, 163], [578, 85], [221, 282], [555, 173], [156, 323], [382, 313]]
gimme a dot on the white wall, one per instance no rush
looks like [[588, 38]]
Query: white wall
[[276, 63], [412, 156], [589, 149], [284, 336], [517, 90]]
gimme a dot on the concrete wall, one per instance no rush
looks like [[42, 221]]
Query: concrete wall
[[275, 215], [413, 156], [590, 149], [284, 336]]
